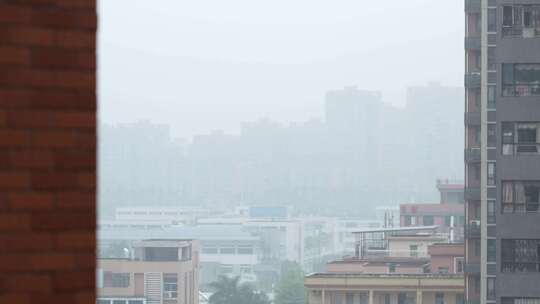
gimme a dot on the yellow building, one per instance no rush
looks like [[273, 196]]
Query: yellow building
[[362, 288]]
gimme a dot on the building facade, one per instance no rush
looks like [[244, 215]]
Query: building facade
[[502, 164], [156, 272]]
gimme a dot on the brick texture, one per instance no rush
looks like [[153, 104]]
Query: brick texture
[[47, 151]]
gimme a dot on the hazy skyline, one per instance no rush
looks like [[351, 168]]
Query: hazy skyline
[[206, 65]]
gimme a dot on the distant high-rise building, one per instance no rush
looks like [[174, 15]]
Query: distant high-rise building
[[502, 156]]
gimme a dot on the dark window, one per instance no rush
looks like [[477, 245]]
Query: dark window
[[508, 14], [161, 254], [460, 298], [520, 196], [391, 268], [443, 269], [349, 298], [492, 20], [402, 298], [491, 96], [170, 285], [477, 247], [520, 255], [520, 301], [407, 219], [439, 298], [427, 220], [521, 79], [459, 265], [491, 212], [413, 249], [386, 299], [447, 220], [491, 250], [115, 280], [491, 292]]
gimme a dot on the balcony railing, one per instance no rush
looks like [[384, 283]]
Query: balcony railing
[[527, 207], [472, 193], [520, 31], [521, 148], [472, 80], [473, 229], [521, 90], [472, 155], [472, 268], [472, 43], [473, 6], [472, 118]]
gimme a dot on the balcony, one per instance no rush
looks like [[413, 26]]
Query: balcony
[[472, 43], [521, 90], [473, 6], [472, 193], [472, 268], [472, 155], [473, 229], [472, 80], [520, 31], [472, 118]]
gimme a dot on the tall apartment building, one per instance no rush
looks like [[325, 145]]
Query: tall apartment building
[[502, 156]]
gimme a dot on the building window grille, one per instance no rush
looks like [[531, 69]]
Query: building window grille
[[520, 255]]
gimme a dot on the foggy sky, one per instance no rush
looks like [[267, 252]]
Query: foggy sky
[[203, 65]]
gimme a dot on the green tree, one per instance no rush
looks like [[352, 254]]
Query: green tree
[[290, 288], [230, 291]]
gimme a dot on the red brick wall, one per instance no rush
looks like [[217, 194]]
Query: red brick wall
[[47, 151]]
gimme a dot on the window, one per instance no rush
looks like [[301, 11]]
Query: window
[[135, 302], [491, 212], [443, 269], [407, 219], [170, 286], [227, 250], [439, 298], [386, 298], [520, 138], [460, 262], [520, 300], [448, 220], [119, 302], [226, 269], [402, 298], [521, 79], [209, 250], [245, 269], [245, 250], [491, 250], [491, 174], [115, 280], [413, 249], [491, 294], [349, 298], [413, 220], [520, 255], [186, 253], [492, 20], [521, 20], [161, 254], [428, 220], [103, 301], [391, 267], [491, 96], [337, 297], [460, 298], [492, 66], [477, 247], [520, 196]]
